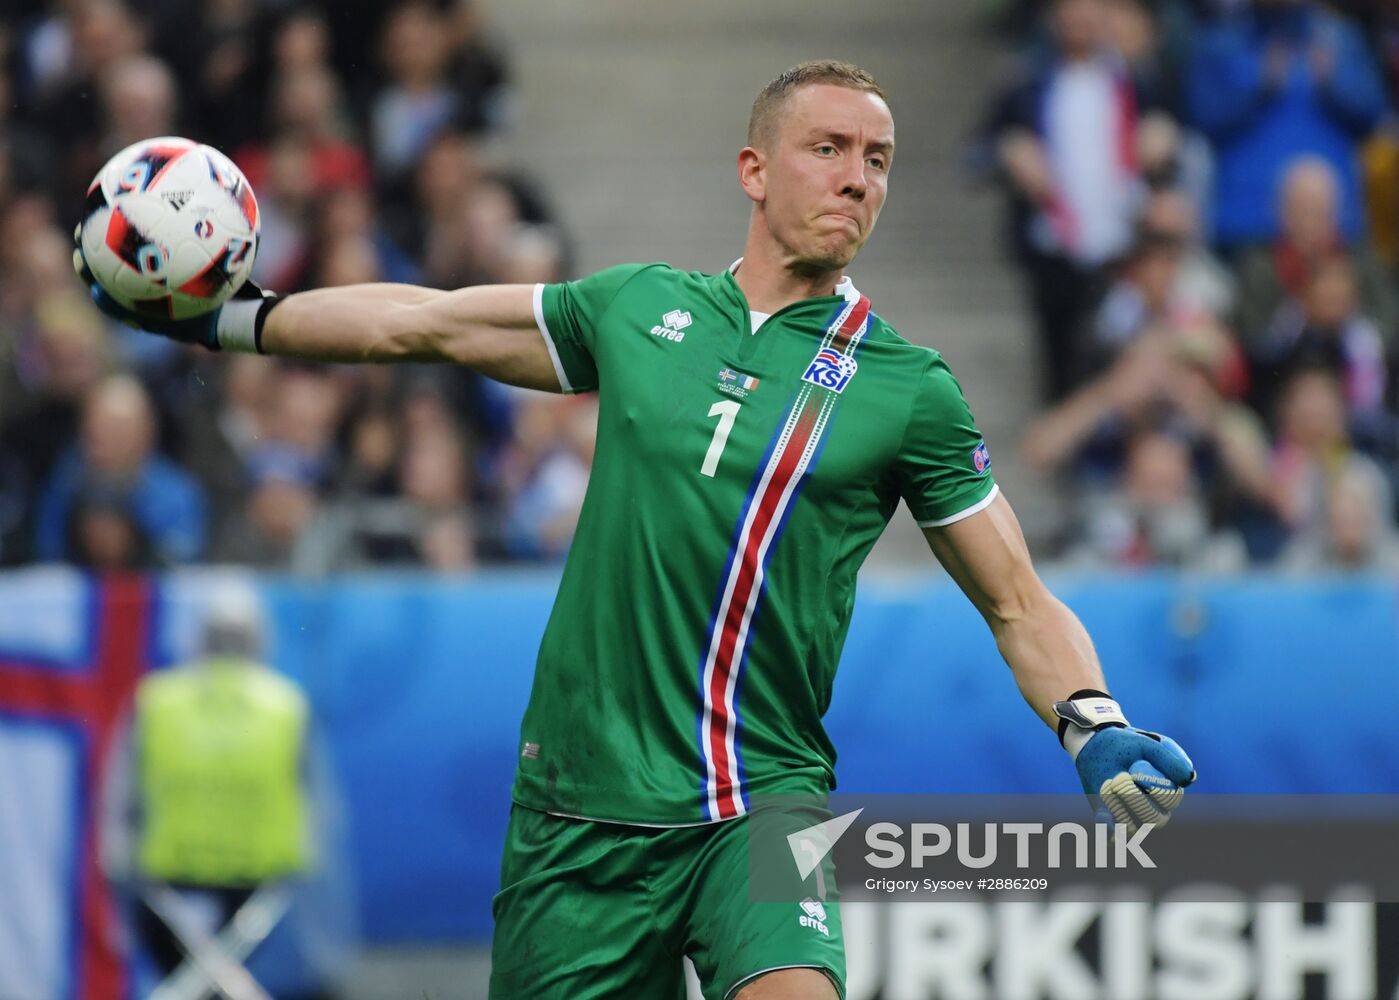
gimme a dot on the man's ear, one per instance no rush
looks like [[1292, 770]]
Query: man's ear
[[752, 175]]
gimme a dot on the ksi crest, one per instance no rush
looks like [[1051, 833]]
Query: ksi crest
[[830, 370]]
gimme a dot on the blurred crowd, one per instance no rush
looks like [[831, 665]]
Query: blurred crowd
[[1203, 199], [367, 129], [1204, 203]]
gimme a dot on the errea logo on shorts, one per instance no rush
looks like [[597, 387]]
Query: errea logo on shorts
[[814, 916], [672, 325]]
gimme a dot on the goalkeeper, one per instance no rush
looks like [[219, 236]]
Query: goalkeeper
[[757, 429]]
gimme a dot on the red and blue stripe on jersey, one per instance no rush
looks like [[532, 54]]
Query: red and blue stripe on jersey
[[790, 457]]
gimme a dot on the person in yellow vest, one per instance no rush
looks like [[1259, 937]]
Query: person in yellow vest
[[215, 788]]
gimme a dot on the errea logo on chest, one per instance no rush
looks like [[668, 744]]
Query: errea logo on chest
[[672, 325]]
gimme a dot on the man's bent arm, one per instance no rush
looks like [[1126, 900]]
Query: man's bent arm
[[1044, 643], [489, 328]]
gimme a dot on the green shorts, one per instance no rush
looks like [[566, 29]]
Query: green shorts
[[592, 910]]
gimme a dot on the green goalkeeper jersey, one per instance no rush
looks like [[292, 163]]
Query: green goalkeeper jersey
[[740, 480]]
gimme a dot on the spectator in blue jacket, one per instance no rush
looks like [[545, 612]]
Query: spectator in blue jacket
[[1273, 82], [115, 456]]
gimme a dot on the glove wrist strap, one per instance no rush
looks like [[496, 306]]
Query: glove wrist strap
[[1083, 714], [240, 324]]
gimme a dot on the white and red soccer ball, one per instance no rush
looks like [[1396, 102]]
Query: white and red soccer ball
[[170, 228]]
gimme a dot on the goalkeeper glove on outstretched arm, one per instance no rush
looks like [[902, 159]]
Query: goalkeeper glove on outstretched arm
[[1138, 776], [235, 326]]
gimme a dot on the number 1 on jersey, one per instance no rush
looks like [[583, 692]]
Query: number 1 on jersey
[[727, 411]]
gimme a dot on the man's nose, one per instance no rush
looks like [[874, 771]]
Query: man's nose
[[853, 183]]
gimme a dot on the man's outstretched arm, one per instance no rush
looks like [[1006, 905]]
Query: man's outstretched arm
[[1042, 641], [490, 329], [1139, 775]]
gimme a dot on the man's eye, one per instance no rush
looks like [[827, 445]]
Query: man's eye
[[876, 161], [825, 149]]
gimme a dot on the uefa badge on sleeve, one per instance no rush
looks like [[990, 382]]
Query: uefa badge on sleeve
[[830, 370], [981, 459]]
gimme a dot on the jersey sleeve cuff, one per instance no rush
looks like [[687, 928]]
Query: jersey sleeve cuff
[[966, 512], [543, 324]]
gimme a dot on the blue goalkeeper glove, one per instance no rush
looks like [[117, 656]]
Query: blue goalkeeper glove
[[236, 325], [1138, 777]]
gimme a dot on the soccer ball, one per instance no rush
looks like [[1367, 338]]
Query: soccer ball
[[170, 228]]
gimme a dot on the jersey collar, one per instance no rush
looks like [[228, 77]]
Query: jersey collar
[[845, 288]]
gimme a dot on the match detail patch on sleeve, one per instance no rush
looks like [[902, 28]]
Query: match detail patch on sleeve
[[981, 459]]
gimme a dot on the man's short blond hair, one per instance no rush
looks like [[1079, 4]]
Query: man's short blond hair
[[767, 108]]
